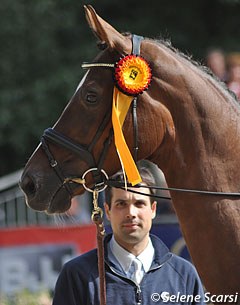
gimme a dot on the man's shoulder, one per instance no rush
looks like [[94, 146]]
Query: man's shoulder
[[177, 263], [185, 272], [182, 266], [82, 261], [180, 261]]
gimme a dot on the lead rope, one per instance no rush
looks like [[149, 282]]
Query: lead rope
[[97, 218]]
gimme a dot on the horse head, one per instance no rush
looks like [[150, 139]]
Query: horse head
[[81, 139]]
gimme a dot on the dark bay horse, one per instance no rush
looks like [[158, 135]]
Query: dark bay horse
[[189, 125]]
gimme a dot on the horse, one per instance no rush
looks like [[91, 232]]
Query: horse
[[188, 125]]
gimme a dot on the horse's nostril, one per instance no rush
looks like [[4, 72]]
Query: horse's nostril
[[28, 186]]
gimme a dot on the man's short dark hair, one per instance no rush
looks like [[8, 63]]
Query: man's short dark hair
[[147, 179]]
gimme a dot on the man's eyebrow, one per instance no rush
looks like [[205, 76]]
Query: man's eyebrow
[[126, 200], [120, 200], [141, 201]]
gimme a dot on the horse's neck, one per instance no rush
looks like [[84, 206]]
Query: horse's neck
[[207, 133], [203, 154]]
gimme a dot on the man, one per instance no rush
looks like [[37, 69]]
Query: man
[[215, 60], [139, 267]]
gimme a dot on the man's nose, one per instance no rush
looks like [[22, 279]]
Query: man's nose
[[131, 212]]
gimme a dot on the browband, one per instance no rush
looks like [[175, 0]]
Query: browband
[[136, 43]]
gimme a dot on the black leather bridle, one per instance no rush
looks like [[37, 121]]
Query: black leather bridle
[[84, 152], [50, 135]]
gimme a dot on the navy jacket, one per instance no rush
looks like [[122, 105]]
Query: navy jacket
[[170, 276]]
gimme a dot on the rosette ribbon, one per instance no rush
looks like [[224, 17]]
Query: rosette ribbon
[[132, 77], [121, 104]]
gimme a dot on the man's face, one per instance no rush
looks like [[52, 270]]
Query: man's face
[[130, 216]]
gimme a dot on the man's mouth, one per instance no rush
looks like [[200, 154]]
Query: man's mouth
[[130, 225]]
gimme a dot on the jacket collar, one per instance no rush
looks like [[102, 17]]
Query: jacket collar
[[162, 253]]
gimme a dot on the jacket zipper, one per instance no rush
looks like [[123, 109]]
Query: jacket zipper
[[138, 291], [138, 295]]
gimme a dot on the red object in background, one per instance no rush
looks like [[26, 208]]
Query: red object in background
[[83, 236], [32, 257]]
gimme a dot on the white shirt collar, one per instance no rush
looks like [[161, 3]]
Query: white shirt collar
[[125, 258]]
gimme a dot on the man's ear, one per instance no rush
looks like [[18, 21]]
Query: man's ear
[[107, 210], [106, 33], [154, 209]]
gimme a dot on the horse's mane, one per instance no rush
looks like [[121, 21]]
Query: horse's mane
[[206, 72]]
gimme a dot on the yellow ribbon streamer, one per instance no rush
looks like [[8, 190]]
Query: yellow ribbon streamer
[[121, 104]]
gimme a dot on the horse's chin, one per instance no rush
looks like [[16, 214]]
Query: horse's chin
[[60, 202], [32, 203]]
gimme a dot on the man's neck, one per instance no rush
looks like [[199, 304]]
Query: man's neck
[[134, 248]]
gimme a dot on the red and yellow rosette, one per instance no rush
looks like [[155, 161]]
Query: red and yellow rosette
[[133, 76]]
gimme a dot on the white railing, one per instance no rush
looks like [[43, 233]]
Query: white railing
[[13, 209], [15, 213]]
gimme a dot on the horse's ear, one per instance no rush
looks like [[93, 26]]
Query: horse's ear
[[106, 33]]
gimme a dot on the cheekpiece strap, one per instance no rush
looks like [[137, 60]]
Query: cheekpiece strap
[[136, 43]]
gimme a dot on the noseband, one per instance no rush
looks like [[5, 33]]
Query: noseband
[[84, 152], [50, 135]]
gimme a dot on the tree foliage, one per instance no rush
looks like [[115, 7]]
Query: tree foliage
[[43, 44]]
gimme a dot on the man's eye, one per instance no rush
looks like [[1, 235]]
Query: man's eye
[[121, 204], [140, 203]]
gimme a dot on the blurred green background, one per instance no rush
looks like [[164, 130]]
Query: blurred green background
[[44, 42]]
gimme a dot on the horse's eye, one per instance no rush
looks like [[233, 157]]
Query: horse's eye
[[91, 98]]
